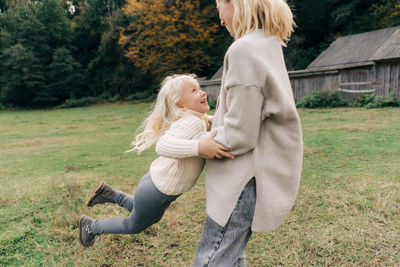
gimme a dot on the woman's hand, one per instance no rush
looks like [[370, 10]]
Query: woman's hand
[[210, 149]]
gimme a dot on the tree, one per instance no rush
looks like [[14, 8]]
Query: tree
[[321, 22], [32, 35], [96, 33], [65, 77], [171, 37], [21, 77], [387, 13]]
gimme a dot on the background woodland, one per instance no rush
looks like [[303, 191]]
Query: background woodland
[[54, 51]]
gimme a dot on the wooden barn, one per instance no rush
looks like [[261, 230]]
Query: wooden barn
[[213, 85], [355, 64]]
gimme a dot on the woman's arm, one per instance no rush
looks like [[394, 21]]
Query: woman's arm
[[243, 119], [246, 74]]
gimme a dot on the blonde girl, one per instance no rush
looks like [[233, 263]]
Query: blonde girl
[[256, 118], [178, 116]]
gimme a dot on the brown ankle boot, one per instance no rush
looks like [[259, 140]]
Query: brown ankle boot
[[103, 193]]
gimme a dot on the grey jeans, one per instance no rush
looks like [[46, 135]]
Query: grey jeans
[[224, 246], [147, 207]]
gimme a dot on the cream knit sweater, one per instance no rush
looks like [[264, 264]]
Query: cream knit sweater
[[179, 166]]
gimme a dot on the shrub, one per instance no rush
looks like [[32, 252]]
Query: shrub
[[394, 100], [364, 100], [369, 101], [141, 96], [323, 99], [82, 102], [333, 99], [212, 103]]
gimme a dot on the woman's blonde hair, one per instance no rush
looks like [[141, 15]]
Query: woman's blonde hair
[[165, 111], [273, 16]]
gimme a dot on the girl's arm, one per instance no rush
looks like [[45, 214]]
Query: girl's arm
[[178, 141], [210, 149], [170, 146]]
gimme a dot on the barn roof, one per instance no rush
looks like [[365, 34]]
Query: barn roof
[[363, 47]]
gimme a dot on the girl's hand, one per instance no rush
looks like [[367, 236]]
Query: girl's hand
[[210, 149]]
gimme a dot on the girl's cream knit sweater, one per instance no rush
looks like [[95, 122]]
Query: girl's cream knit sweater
[[179, 164]]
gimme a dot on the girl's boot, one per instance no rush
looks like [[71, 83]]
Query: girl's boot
[[85, 233], [103, 193]]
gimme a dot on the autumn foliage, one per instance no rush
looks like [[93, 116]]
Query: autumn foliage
[[169, 36], [387, 12]]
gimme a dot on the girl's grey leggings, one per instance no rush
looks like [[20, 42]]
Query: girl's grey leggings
[[147, 207]]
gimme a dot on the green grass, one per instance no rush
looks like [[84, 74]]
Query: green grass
[[347, 212]]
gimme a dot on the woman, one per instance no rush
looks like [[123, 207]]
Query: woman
[[256, 118]]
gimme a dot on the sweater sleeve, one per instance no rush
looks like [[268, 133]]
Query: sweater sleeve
[[177, 142], [245, 75], [242, 121]]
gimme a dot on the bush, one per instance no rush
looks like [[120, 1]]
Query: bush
[[323, 99], [333, 99], [142, 96], [82, 102], [394, 100], [212, 103], [364, 100], [369, 101]]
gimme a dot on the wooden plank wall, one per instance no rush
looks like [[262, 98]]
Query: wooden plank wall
[[388, 74], [211, 87], [357, 78], [384, 77], [303, 85]]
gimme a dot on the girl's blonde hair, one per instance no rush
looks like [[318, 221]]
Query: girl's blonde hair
[[273, 16], [165, 111]]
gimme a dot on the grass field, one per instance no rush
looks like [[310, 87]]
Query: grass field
[[347, 212]]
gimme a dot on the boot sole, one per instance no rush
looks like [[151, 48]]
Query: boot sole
[[80, 229], [97, 191]]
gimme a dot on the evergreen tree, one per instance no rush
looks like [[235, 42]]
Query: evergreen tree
[[32, 35], [21, 77], [96, 34], [65, 77], [321, 22]]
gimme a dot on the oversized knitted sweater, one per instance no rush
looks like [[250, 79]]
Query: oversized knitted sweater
[[179, 166], [257, 118]]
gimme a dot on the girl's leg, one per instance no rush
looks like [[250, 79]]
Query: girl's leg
[[125, 200], [148, 207]]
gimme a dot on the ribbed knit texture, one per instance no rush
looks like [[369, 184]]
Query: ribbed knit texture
[[179, 166]]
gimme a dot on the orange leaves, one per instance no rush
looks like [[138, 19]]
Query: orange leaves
[[387, 12], [168, 37]]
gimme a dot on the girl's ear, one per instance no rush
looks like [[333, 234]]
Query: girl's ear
[[179, 104]]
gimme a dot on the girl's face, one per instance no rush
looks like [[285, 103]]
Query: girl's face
[[193, 97], [225, 10]]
